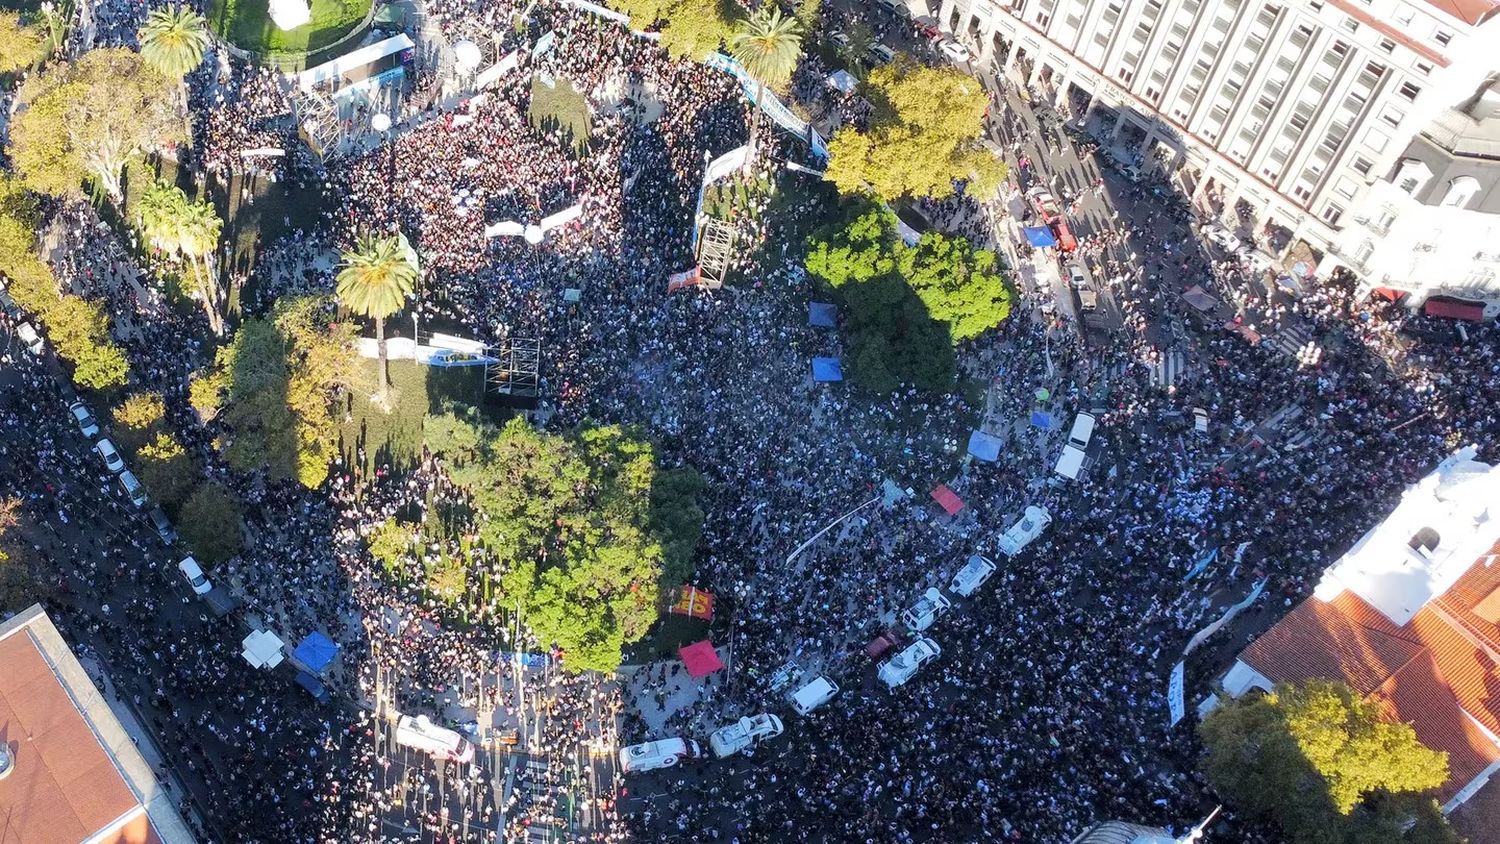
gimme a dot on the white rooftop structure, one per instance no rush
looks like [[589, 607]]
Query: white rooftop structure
[[262, 649], [1443, 524], [290, 14]]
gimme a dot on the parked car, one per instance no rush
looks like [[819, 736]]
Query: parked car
[[30, 339], [744, 734], [956, 52], [1077, 278], [1031, 524], [840, 39], [1221, 237], [162, 524], [881, 54], [926, 26], [420, 733], [9, 305], [84, 418], [814, 694], [972, 576], [132, 487], [882, 644], [112, 460], [900, 668], [194, 574], [926, 610], [651, 755]]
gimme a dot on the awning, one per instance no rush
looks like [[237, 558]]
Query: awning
[[1200, 299], [262, 649], [315, 652], [947, 499], [822, 315], [827, 369], [841, 80], [1454, 309], [984, 447], [700, 659], [1390, 294], [1040, 237], [1042, 419]]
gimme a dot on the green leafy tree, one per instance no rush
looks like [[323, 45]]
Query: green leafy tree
[[579, 526], [20, 45], [206, 392], [390, 542], [173, 40], [808, 15], [138, 418], [212, 523], [958, 284], [190, 230], [695, 28], [79, 331], [377, 276], [21, 584], [768, 45], [1306, 756], [166, 469], [88, 118], [925, 134]]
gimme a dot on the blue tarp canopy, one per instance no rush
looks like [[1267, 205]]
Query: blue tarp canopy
[[1040, 237], [827, 369], [315, 652], [1042, 419], [984, 447], [822, 315], [313, 685]]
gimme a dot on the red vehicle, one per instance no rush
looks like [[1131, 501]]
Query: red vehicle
[[1065, 241], [881, 644]]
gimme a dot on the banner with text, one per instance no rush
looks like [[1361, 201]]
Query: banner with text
[[1175, 702], [769, 103], [694, 602], [1224, 619]]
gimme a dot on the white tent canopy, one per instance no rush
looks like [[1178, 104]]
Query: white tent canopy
[[263, 649], [841, 80]]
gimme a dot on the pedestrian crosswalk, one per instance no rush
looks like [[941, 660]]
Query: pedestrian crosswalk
[[1291, 341], [1166, 369]]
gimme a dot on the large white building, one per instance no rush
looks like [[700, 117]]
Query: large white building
[[1291, 109]]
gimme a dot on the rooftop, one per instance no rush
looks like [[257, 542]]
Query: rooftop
[[1472, 12], [76, 775]]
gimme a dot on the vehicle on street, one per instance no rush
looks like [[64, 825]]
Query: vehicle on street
[[882, 644], [1221, 237], [840, 38], [30, 339], [85, 420], [9, 305], [956, 52], [893, 6], [195, 577], [1088, 300], [972, 576], [1132, 172], [1077, 278], [132, 487], [1044, 202], [1082, 432], [1031, 524], [925, 611], [881, 54], [111, 457], [813, 695], [1075, 451], [926, 26], [1200, 420], [743, 735], [420, 733], [652, 755], [163, 525], [900, 668]]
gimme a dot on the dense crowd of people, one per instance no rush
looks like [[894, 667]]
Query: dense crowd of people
[[1043, 712]]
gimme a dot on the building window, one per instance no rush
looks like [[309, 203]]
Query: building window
[[1392, 117], [1412, 175], [1404, 16], [1424, 68], [1409, 91], [1460, 191], [1351, 24], [1362, 166], [1387, 45], [1332, 214], [1363, 252], [1443, 37], [1302, 192]]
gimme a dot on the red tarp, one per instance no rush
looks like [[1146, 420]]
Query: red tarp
[[1454, 309], [1387, 293], [700, 658], [949, 501]]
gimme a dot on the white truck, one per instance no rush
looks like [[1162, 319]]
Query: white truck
[[744, 734], [895, 671], [925, 611], [420, 733], [1031, 525], [1070, 462], [651, 755]]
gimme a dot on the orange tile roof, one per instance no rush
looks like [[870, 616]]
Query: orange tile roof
[[64, 787], [1469, 11], [1428, 673]]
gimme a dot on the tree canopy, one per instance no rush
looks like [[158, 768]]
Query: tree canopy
[[212, 523], [690, 29], [585, 528], [277, 380], [173, 40], [374, 280], [907, 305], [925, 134], [87, 118], [1307, 756], [20, 45], [769, 45]]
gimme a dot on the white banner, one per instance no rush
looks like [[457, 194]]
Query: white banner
[[509, 228], [1174, 695], [1224, 619], [726, 164], [601, 11], [264, 152], [563, 217], [492, 74], [544, 44]]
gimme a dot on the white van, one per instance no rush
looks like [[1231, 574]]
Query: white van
[[813, 695], [1069, 463], [744, 734], [1031, 524], [1083, 431], [657, 754], [420, 733], [972, 576], [133, 489]]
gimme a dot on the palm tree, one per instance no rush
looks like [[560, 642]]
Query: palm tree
[[376, 277], [173, 40], [188, 229], [768, 45]]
